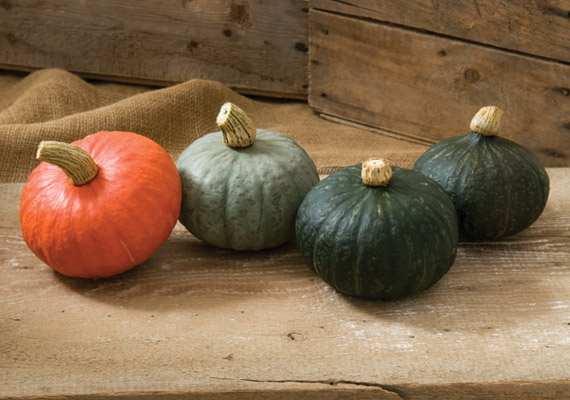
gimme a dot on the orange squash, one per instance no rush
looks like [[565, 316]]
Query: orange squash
[[101, 205]]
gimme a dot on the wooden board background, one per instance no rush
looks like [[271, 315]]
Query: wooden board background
[[416, 69], [254, 46], [540, 28], [423, 85], [196, 322]]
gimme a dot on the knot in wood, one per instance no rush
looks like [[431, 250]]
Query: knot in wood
[[472, 75], [296, 336]]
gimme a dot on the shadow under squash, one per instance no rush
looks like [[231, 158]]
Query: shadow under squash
[[188, 273]]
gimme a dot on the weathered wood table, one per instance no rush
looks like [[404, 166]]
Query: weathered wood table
[[199, 322]]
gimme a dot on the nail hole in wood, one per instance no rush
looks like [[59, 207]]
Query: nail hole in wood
[[301, 47], [192, 45]]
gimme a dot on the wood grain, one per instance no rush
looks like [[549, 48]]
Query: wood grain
[[196, 322], [423, 85], [540, 28], [251, 45]]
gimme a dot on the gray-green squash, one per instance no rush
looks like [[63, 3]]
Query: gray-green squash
[[377, 232], [498, 187], [242, 186]]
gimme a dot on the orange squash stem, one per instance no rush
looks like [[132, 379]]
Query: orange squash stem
[[73, 160]]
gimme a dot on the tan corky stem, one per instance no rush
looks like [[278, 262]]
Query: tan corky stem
[[487, 121], [238, 130], [376, 172], [73, 160]]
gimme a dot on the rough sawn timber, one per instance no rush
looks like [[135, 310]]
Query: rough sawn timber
[[421, 85], [195, 322], [254, 46], [540, 28]]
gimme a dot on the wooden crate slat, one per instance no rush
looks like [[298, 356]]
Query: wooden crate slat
[[429, 86], [251, 45], [541, 28]]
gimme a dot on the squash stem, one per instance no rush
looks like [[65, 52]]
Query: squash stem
[[73, 160], [487, 121], [238, 130], [376, 172]]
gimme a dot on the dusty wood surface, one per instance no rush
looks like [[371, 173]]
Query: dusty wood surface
[[199, 322], [541, 28], [254, 46], [423, 85]]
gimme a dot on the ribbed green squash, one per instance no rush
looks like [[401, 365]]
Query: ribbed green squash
[[377, 242], [243, 198], [498, 187]]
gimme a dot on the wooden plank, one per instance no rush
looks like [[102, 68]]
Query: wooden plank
[[251, 45], [423, 85], [541, 28], [205, 323]]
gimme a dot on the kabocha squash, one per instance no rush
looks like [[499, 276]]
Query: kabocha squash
[[242, 186], [101, 205], [377, 232], [498, 187]]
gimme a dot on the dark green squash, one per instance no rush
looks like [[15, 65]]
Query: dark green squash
[[388, 238], [242, 186], [498, 187]]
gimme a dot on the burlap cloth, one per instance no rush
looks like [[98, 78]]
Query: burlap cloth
[[57, 105]]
